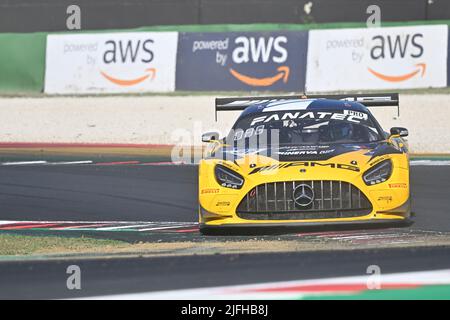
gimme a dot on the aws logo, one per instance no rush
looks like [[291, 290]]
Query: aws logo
[[260, 50], [128, 53], [398, 47]]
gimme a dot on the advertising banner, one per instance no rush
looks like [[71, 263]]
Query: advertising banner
[[242, 61], [448, 58], [111, 62], [377, 58]]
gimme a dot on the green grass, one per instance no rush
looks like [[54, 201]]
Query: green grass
[[427, 292], [12, 244]]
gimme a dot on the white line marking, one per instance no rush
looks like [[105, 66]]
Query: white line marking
[[6, 222], [20, 163], [372, 236], [123, 227], [249, 292], [70, 162], [161, 228], [77, 227], [430, 163]]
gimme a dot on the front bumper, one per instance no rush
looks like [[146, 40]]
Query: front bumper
[[279, 228], [213, 223], [341, 198]]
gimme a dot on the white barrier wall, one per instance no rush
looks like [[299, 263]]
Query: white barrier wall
[[320, 60], [111, 62], [182, 119], [377, 58]]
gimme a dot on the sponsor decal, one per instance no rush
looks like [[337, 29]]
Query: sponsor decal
[[377, 58], [223, 204], [131, 82], [241, 61], [398, 185], [356, 114], [228, 165], [283, 73], [304, 164], [421, 68], [298, 152], [111, 62], [209, 191], [380, 159], [355, 117]]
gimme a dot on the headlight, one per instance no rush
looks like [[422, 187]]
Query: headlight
[[379, 173], [228, 178]]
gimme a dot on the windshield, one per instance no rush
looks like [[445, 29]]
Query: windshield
[[309, 127]]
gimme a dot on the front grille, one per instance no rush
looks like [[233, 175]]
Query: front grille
[[332, 199]]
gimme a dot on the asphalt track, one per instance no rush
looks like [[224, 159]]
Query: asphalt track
[[159, 193], [168, 193], [47, 279], [98, 193]]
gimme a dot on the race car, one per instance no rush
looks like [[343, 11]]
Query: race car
[[320, 160]]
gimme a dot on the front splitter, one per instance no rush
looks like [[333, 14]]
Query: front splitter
[[282, 228]]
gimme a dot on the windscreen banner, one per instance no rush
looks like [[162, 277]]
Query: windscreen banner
[[377, 58], [242, 61], [111, 62]]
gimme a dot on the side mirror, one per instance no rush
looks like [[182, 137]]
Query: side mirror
[[210, 136], [399, 131]]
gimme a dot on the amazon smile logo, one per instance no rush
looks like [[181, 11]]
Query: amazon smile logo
[[283, 74], [420, 68], [260, 50], [151, 73], [128, 53], [398, 48]]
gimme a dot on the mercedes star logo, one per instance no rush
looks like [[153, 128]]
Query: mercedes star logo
[[303, 195]]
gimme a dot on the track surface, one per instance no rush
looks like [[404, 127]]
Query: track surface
[[168, 193], [98, 193], [47, 279], [159, 193]]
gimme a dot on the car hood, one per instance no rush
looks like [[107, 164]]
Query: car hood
[[309, 152]]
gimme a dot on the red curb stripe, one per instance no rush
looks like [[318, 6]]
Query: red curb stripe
[[14, 224], [29, 226], [357, 287], [116, 163], [160, 163], [78, 145], [76, 226], [187, 230]]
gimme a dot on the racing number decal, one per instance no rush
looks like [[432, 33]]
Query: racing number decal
[[239, 134]]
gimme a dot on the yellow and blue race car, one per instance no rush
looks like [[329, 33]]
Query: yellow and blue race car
[[304, 161]]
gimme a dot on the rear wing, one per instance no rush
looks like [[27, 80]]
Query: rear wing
[[369, 100]]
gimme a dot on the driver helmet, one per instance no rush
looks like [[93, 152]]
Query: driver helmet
[[341, 130]]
